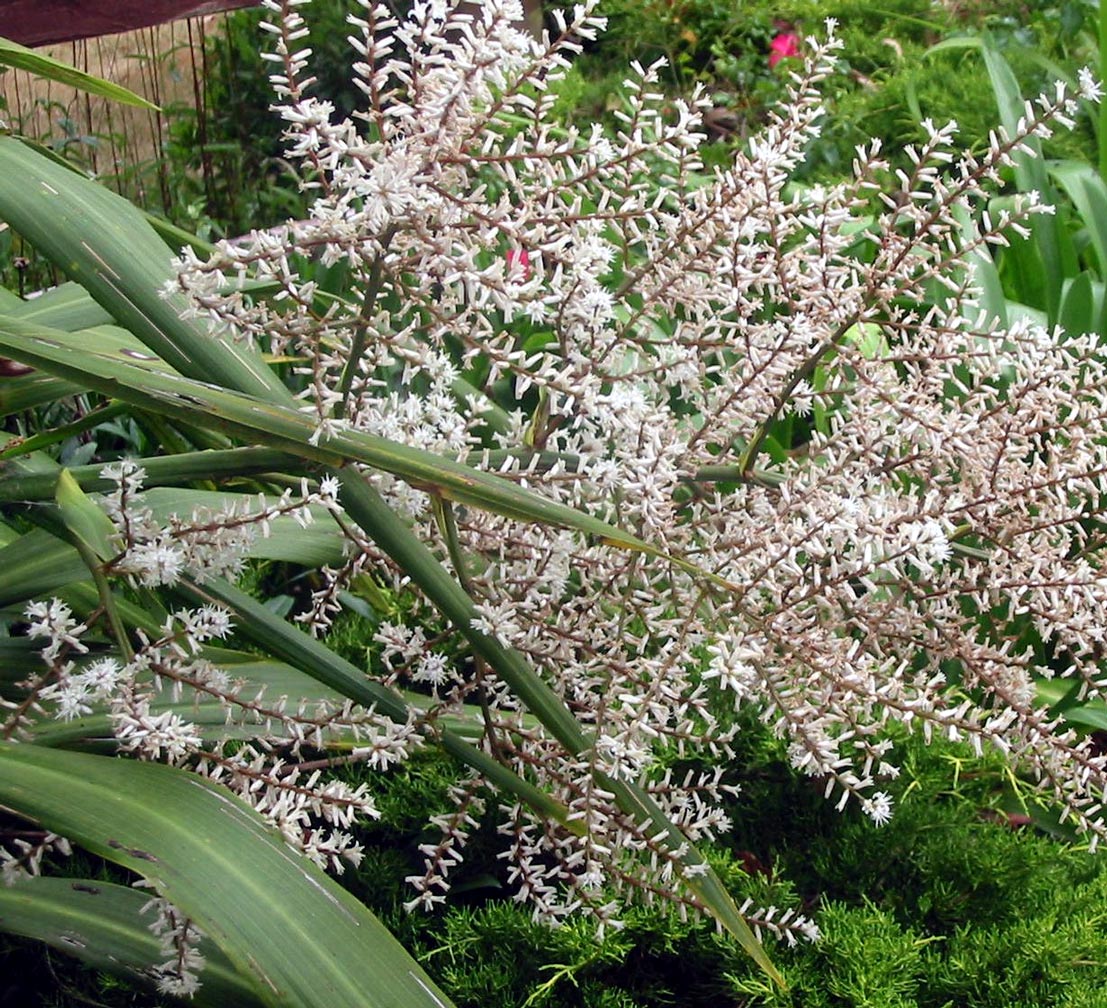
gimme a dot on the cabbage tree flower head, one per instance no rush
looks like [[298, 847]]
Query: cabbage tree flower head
[[879, 578]]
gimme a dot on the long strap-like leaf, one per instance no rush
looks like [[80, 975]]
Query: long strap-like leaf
[[287, 429], [299, 936], [21, 58], [101, 241], [102, 925]]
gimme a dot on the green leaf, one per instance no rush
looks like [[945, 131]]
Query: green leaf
[[1078, 312], [86, 522], [66, 306], [287, 429], [301, 939], [992, 297], [869, 339], [317, 545], [20, 658], [35, 478], [101, 241], [1101, 123], [21, 58], [39, 562], [1051, 244], [55, 435], [102, 924], [1088, 193], [28, 391], [36, 563], [173, 236], [1061, 695]]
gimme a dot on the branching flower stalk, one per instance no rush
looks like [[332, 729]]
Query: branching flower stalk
[[146, 698], [209, 543], [667, 322], [149, 689]]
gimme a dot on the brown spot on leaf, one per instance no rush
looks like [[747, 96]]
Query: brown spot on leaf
[[135, 852]]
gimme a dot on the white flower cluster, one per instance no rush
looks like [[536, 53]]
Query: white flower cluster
[[179, 938], [143, 697], [210, 543], [25, 860], [313, 812], [788, 924], [441, 857], [599, 318]]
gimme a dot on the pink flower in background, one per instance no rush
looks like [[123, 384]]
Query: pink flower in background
[[783, 46], [518, 258]]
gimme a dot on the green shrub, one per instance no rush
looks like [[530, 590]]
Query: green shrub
[[948, 904]]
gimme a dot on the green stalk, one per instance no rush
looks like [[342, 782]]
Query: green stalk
[[107, 600], [366, 507], [361, 333]]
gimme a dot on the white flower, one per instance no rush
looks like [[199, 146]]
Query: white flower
[[1090, 88], [54, 620], [730, 666], [878, 808], [433, 668], [165, 736]]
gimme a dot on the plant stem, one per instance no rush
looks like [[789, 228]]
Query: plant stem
[[361, 333]]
